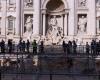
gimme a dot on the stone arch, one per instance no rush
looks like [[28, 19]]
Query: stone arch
[[46, 2], [55, 18], [57, 5]]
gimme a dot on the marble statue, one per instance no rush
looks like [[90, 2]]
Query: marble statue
[[54, 31], [82, 24], [53, 21], [28, 25]]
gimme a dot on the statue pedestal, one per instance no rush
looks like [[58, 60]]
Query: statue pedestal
[[27, 35]]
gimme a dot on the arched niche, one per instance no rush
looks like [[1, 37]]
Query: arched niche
[[55, 5], [46, 2], [55, 15]]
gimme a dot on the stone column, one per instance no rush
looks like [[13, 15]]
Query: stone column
[[36, 23], [91, 24], [97, 25], [44, 24], [71, 22], [65, 25], [62, 21], [4, 15], [22, 18], [18, 17]]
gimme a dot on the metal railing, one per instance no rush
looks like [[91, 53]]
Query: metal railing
[[49, 49], [53, 61]]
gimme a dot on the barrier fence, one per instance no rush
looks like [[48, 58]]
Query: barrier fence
[[51, 63], [48, 48]]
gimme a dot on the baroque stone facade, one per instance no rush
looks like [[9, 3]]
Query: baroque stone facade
[[50, 20]]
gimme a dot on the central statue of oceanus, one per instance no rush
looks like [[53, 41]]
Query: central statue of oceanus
[[54, 32]]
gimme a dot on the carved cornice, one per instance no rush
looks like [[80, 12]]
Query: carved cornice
[[60, 12], [66, 10], [11, 7], [44, 11]]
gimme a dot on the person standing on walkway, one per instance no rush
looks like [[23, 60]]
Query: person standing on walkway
[[10, 45], [23, 46], [34, 44], [42, 47], [74, 47], [27, 46], [69, 47], [20, 45], [93, 47], [2, 46], [98, 47], [87, 48], [64, 46]]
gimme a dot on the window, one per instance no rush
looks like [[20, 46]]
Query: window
[[98, 25], [98, 2], [10, 23], [11, 2], [0, 2]]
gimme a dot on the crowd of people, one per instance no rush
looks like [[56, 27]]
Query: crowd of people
[[22, 46], [71, 47], [68, 47]]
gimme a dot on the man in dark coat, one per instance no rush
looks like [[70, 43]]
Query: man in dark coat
[[27, 46], [2, 46], [10, 45]]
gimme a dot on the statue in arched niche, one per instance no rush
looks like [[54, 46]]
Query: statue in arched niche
[[82, 23], [28, 26], [54, 31]]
